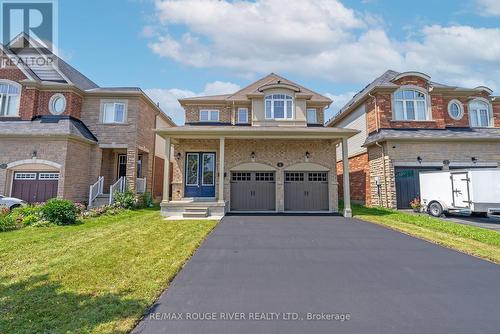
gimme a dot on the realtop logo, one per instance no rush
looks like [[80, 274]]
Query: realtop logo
[[34, 20]]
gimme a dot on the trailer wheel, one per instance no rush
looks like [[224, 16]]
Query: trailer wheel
[[435, 209]]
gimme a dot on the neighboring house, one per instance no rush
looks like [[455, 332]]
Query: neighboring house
[[409, 124], [261, 149], [60, 133]]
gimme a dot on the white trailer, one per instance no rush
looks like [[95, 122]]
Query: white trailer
[[470, 191]]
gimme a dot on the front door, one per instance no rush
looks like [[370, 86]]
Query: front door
[[200, 174], [122, 165], [460, 185]]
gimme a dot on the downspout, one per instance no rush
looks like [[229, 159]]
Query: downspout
[[384, 174]]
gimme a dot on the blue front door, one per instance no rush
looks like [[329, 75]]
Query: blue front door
[[200, 174]]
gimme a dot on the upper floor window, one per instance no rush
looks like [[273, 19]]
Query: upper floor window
[[279, 106], [455, 110], [9, 99], [57, 104], [479, 113], [209, 115], [114, 112], [410, 105], [312, 116], [242, 115]]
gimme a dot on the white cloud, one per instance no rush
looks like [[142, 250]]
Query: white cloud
[[488, 7], [167, 97], [321, 39]]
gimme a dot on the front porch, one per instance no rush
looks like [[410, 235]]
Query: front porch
[[233, 169]]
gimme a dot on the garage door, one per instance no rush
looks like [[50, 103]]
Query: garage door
[[306, 191], [35, 187], [408, 185], [253, 191]]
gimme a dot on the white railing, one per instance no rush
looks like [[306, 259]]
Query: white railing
[[96, 190], [140, 185], [118, 187]]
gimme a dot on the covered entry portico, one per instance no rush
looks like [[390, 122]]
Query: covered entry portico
[[235, 168]]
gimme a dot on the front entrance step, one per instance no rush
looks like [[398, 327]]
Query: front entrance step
[[101, 200], [195, 212]]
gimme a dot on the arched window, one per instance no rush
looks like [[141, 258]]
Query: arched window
[[479, 113], [410, 105], [279, 106], [9, 99]]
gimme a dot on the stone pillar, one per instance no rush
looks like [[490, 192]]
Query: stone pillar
[[221, 169], [347, 190], [166, 171]]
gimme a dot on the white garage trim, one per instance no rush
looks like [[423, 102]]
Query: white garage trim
[[33, 161]]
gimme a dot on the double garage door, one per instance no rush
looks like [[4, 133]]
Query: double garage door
[[35, 187], [256, 191]]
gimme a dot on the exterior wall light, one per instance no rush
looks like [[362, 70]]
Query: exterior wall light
[[34, 154], [178, 156], [419, 159], [252, 156], [307, 156], [474, 159]]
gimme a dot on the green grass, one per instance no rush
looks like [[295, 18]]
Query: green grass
[[97, 277], [468, 239]]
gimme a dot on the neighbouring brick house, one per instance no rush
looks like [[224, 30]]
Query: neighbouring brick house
[[409, 124], [60, 133], [261, 149]]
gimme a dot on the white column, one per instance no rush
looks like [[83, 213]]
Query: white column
[[221, 169], [347, 190], [166, 171]]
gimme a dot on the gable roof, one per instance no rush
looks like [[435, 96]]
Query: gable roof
[[255, 87]]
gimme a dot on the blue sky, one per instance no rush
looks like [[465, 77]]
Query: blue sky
[[176, 49]]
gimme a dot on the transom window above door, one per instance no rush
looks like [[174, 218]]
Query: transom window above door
[[279, 106], [410, 105], [114, 112], [209, 115], [479, 113]]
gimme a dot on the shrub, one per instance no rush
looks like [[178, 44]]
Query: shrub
[[126, 200], [59, 211], [147, 200], [80, 207], [4, 212], [8, 223], [27, 214]]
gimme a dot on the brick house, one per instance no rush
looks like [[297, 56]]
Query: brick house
[[262, 149], [60, 133], [409, 124]]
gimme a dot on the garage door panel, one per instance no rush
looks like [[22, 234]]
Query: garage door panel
[[306, 191], [253, 191], [35, 186]]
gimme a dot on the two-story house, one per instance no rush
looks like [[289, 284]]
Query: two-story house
[[61, 135], [262, 149], [409, 124]]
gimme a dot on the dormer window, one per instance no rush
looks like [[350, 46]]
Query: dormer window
[[410, 105], [209, 115], [9, 99], [479, 113], [279, 106]]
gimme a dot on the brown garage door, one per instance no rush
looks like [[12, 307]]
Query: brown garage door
[[306, 191], [35, 187], [253, 191]]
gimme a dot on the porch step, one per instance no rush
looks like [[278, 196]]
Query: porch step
[[101, 200], [195, 212]]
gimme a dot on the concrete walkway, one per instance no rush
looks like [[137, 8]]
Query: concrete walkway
[[269, 272]]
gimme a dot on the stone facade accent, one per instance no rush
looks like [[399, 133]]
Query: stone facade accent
[[381, 167]]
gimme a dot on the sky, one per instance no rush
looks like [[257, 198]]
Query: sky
[[174, 49]]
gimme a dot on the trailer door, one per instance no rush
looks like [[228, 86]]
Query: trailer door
[[460, 186]]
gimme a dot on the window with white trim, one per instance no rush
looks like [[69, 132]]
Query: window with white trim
[[410, 105], [455, 110], [48, 176], [279, 106], [312, 116], [479, 113], [24, 176], [243, 115], [9, 99], [57, 104], [114, 112], [207, 115]]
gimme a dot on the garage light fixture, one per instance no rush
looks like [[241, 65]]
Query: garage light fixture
[[307, 156], [178, 156], [474, 159], [252, 156], [34, 154], [419, 159]]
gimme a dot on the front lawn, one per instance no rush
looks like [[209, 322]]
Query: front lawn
[[97, 277], [468, 239]]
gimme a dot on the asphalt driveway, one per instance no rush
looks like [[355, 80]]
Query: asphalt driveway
[[269, 272]]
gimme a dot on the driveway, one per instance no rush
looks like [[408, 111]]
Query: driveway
[[281, 267]]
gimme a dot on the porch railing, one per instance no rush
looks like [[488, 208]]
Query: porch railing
[[96, 189], [140, 185], [118, 187]]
